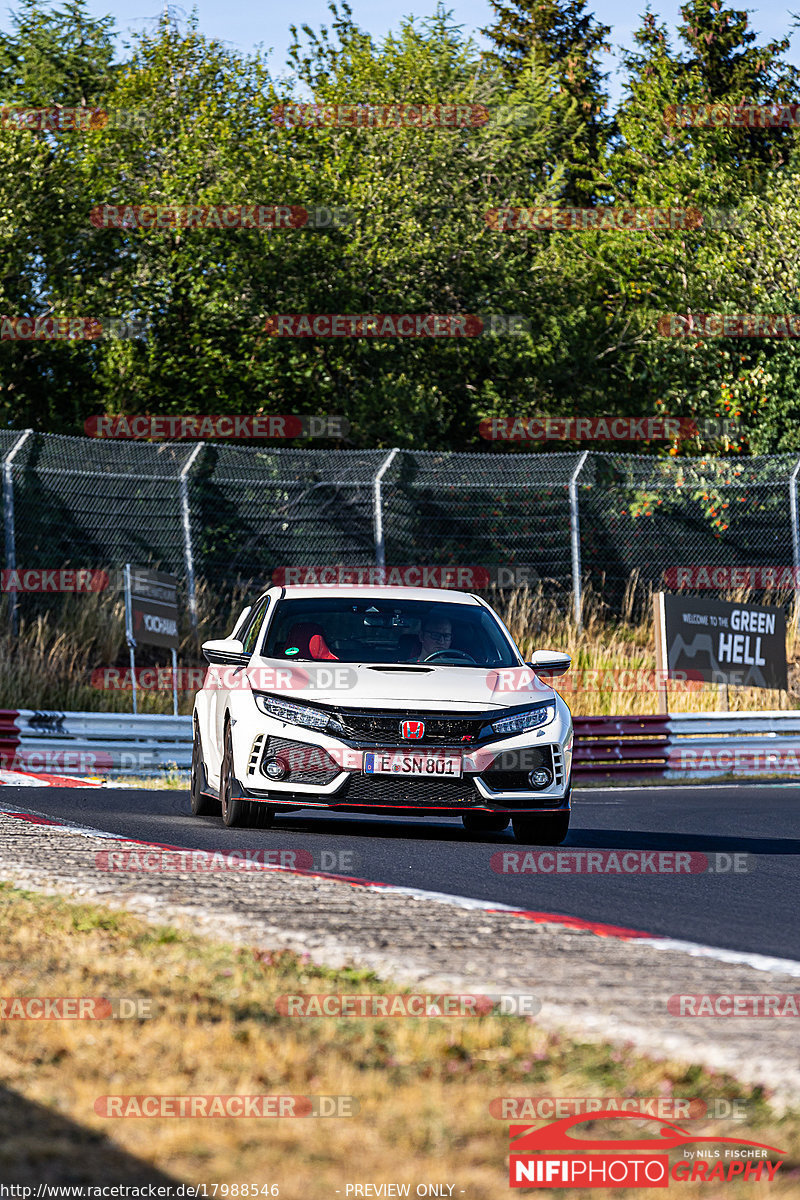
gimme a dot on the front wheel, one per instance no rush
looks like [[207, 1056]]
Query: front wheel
[[233, 811], [202, 805], [548, 830], [484, 822]]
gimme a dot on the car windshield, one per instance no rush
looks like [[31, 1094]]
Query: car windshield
[[387, 631]]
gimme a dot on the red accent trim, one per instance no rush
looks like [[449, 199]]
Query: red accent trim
[[598, 927], [67, 781], [31, 818]]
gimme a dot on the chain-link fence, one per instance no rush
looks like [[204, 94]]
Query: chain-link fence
[[234, 514]]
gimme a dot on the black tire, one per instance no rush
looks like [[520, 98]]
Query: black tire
[[233, 811], [547, 830], [484, 822], [202, 805]]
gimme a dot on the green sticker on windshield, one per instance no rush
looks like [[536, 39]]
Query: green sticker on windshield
[[292, 650]]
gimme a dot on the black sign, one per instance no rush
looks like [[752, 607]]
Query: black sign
[[153, 608], [720, 642]]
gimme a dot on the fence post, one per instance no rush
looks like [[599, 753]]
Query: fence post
[[377, 508], [575, 539], [183, 484], [8, 522], [795, 541]]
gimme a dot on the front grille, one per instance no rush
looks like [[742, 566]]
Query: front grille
[[379, 729], [307, 763], [389, 791]]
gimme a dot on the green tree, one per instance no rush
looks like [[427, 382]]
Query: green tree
[[563, 36], [59, 58], [738, 267]]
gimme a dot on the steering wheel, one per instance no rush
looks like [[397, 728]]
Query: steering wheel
[[458, 653]]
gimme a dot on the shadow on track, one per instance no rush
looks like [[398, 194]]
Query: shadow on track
[[610, 839], [428, 829], [43, 1146]]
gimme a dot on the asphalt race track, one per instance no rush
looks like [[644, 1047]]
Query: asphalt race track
[[753, 912]]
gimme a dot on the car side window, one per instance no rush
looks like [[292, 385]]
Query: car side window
[[254, 628]]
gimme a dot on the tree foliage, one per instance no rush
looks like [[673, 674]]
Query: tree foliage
[[419, 239]]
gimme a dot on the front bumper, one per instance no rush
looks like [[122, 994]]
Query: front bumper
[[327, 773]]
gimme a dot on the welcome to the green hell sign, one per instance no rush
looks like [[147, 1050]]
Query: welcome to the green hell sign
[[743, 645]]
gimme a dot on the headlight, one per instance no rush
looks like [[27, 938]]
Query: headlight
[[295, 714], [520, 722]]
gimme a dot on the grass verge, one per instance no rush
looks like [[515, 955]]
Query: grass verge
[[423, 1086]]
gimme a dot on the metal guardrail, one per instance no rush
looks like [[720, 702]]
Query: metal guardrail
[[620, 746], [679, 746], [108, 744], [707, 745]]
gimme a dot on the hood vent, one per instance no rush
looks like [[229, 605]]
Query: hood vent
[[405, 670]]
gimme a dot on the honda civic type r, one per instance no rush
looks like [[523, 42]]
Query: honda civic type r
[[391, 700]]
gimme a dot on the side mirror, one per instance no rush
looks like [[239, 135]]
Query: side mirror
[[243, 615], [550, 662], [226, 652]]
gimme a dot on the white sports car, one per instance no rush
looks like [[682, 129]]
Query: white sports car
[[391, 700]]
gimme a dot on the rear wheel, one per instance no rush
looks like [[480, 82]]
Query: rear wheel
[[484, 822], [233, 811], [202, 805], [547, 830]]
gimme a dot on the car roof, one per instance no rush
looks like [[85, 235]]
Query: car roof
[[429, 595]]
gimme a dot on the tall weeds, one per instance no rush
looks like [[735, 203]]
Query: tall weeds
[[613, 661], [50, 664]]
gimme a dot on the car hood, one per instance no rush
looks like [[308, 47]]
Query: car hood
[[384, 685]]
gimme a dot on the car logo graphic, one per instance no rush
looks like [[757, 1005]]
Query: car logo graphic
[[412, 731], [556, 1136], [543, 1159]]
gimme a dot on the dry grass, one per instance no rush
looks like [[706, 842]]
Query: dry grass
[[613, 661], [50, 665], [424, 1086]]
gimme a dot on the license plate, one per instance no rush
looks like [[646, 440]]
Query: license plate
[[427, 766]]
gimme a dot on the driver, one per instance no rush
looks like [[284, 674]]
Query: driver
[[437, 634]]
